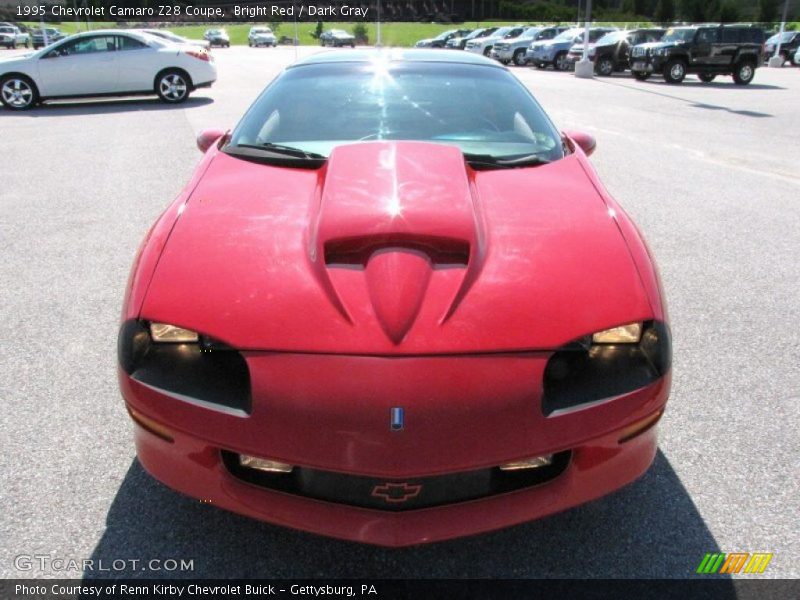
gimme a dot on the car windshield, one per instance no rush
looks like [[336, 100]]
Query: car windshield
[[6, 30], [787, 37], [678, 35], [501, 32], [260, 30], [612, 38], [314, 108], [338, 32], [567, 35], [445, 35], [215, 32]]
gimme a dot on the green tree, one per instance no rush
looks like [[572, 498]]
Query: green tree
[[665, 11], [767, 10], [729, 12]]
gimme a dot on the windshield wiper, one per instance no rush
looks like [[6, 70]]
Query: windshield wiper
[[276, 154], [487, 161]]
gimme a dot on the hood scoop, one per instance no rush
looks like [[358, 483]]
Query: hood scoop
[[398, 212]]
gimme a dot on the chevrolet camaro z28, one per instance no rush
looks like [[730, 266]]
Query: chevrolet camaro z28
[[393, 309]]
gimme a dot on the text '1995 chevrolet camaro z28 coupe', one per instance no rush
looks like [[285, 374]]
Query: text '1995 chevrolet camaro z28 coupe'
[[391, 308]]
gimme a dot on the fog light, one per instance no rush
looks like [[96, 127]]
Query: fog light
[[263, 464], [528, 463]]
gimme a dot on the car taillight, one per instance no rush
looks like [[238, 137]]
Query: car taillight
[[201, 54]]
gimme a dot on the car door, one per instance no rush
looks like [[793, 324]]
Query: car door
[[138, 64], [705, 50], [82, 66]]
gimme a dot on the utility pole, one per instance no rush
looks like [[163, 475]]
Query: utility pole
[[584, 68], [777, 60]]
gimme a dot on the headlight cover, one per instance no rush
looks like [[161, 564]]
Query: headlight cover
[[583, 373], [163, 332], [624, 334]]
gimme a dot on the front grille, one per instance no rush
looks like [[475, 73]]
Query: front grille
[[397, 494], [638, 51]]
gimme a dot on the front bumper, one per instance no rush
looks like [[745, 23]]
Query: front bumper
[[540, 56], [463, 414], [649, 64], [502, 54]]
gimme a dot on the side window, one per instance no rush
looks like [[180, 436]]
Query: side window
[[732, 36], [85, 45], [128, 43], [706, 36], [547, 34]]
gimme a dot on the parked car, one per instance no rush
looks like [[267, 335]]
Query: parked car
[[176, 39], [217, 37], [336, 38], [797, 57], [105, 63], [514, 50], [612, 51], [707, 50], [12, 36], [440, 40], [790, 44], [261, 36], [484, 45], [430, 367], [554, 53], [38, 37], [459, 42]]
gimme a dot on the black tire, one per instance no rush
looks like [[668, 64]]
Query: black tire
[[560, 62], [744, 72], [173, 86], [27, 43], [640, 76], [674, 71], [249, 43], [519, 57], [605, 66], [706, 77], [487, 51], [15, 96], [14, 44]]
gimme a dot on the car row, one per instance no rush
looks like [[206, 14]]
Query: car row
[[514, 49], [111, 62]]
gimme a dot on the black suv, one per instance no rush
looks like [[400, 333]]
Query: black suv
[[790, 41], [708, 50]]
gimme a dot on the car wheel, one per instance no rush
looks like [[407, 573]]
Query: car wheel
[[640, 76], [487, 51], [27, 43], [743, 73], [674, 71], [14, 44], [706, 77], [605, 66], [173, 86], [560, 62], [519, 57], [17, 92], [249, 43]]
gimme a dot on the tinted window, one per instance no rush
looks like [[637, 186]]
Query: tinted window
[[706, 36], [317, 107], [128, 43]]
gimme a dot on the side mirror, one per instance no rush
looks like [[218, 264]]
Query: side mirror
[[208, 137], [586, 142]]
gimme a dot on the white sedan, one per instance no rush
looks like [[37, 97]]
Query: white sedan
[[105, 63]]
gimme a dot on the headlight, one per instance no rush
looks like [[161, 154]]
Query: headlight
[[624, 334], [162, 332]]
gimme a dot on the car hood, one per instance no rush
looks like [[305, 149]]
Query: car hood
[[395, 248], [10, 61]]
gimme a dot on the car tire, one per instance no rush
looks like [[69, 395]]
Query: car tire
[[14, 45], [639, 76], [21, 93], [519, 57], [744, 72], [27, 43], [560, 62], [605, 66], [706, 77], [487, 51], [674, 71], [173, 86]]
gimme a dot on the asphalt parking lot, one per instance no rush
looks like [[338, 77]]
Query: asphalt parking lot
[[711, 174]]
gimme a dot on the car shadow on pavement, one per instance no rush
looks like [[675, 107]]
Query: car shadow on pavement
[[650, 528], [70, 108], [642, 87]]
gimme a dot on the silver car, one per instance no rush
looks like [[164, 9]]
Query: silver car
[[261, 36], [514, 49]]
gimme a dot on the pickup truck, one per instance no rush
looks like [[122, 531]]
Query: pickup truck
[[11, 37]]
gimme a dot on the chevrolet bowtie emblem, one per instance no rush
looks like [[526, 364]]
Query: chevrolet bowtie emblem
[[396, 492]]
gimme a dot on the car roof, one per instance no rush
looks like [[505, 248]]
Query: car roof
[[367, 55]]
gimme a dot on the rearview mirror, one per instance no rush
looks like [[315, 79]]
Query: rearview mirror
[[586, 142], [208, 137]]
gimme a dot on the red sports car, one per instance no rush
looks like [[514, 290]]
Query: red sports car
[[395, 305]]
